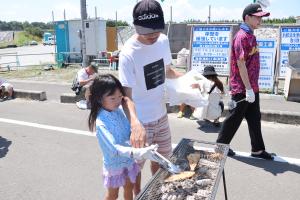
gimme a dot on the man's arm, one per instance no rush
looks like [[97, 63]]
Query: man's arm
[[244, 73], [138, 134], [171, 73], [84, 82], [250, 96]]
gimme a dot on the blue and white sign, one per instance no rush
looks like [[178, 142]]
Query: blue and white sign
[[210, 46], [267, 51], [290, 40]]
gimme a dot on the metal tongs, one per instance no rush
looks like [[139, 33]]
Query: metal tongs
[[165, 163]]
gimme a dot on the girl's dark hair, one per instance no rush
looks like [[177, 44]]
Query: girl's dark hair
[[217, 81], [102, 85]]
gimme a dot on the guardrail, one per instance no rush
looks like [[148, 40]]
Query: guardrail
[[14, 60]]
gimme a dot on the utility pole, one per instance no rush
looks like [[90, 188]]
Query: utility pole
[[65, 14], [209, 13], [170, 22], [116, 23], [54, 37], [96, 12], [83, 44], [171, 14], [52, 16]]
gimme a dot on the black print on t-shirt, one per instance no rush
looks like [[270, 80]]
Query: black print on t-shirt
[[154, 74]]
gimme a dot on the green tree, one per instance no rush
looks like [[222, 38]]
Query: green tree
[[36, 31], [112, 23]]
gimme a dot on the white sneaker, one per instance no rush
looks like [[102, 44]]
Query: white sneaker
[[81, 104]]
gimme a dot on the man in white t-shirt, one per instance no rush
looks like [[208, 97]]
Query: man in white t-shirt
[[144, 63], [85, 77]]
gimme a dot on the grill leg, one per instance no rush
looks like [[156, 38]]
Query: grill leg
[[224, 184]]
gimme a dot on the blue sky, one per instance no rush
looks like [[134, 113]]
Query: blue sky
[[40, 10]]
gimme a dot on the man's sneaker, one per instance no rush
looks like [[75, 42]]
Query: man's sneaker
[[217, 124], [230, 153], [180, 114], [264, 155]]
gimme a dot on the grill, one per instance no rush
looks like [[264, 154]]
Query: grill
[[202, 185]]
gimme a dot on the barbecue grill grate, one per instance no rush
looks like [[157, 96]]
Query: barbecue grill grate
[[203, 185]]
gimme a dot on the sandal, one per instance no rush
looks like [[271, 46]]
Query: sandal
[[264, 155]]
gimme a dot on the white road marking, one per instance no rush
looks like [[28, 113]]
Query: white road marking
[[294, 161], [47, 127]]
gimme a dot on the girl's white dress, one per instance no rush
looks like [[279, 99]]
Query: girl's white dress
[[213, 110]]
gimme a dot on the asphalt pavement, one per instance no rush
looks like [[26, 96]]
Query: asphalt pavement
[[47, 152]]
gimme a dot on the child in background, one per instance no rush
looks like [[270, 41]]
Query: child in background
[[213, 88], [181, 112], [113, 132], [6, 90]]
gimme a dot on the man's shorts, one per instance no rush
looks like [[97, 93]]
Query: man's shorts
[[158, 132]]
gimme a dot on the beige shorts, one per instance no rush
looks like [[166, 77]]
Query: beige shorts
[[158, 132]]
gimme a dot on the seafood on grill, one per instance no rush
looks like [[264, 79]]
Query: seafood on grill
[[202, 169], [193, 159], [210, 164], [180, 176], [195, 184], [216, 156], [187, 189], [204, 182]]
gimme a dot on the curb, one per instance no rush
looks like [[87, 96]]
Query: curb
[[30, 94], [70, 98], [266, 115], [281, 117], [284, 117]]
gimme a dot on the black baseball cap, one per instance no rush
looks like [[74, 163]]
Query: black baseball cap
[[256, 10], [94, 66], [209, 71], [148, 17]]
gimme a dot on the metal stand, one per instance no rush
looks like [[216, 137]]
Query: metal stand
[[224, 184]]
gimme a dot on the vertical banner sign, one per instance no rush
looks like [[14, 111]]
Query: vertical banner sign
[[210, 46], [290, 40], [267, 51]]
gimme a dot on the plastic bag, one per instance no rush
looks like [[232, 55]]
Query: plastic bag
[[179, 90]]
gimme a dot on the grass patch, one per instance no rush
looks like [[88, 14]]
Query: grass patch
[[37, 73], [58, 75], [23, 38]]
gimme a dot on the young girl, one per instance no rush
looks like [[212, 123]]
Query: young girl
[[214, 90], [113, 132]]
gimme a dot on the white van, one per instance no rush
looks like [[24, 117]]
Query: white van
[[49, 41]]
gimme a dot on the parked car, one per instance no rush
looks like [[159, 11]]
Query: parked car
[[33, 42]]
